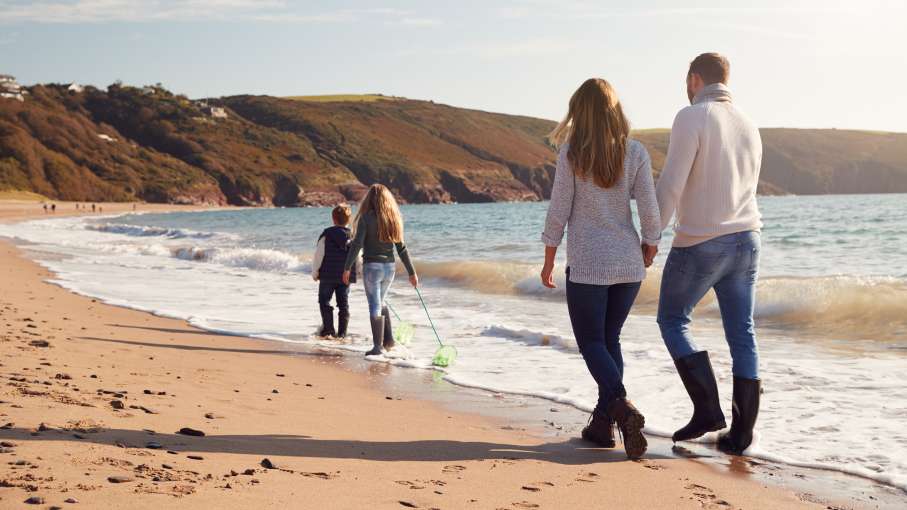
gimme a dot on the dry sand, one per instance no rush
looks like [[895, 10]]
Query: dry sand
[[94, 395]]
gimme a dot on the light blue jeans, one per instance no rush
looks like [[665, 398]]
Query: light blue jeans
[[730, 265], [377, 278]]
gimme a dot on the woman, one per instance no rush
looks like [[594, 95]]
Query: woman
[[599, 170], [379, 230]]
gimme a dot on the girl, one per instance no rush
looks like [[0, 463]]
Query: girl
[[379, 230], [599, 170]]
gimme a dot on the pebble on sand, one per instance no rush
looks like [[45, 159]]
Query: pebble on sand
[[186, 431], [119, 479], [267, 464], [34, 500], [117, 404]]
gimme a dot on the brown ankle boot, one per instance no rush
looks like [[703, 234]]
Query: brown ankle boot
[[630, 422], [600, 430]]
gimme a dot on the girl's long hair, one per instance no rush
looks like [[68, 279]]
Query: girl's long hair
[[597, 131], [382, 203]]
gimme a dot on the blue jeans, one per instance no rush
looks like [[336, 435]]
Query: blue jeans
[[597, 313], [377, 278], [730, 265]]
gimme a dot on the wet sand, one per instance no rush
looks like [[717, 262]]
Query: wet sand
[[96, 395]]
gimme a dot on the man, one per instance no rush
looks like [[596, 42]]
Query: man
[[709, 180]]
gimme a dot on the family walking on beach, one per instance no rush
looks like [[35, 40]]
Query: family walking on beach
[[708, 185]]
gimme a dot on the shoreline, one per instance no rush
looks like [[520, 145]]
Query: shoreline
[[451, 412]]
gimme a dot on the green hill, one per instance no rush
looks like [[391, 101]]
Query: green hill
[[129, 143]]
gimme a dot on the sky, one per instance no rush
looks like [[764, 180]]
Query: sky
[[807, 64]]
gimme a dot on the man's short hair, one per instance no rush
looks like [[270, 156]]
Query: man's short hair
[[341, 214], [712, 67]]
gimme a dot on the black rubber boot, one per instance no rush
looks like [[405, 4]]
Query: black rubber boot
[[696, 373], [630, 422], [743, 416], [600, 430], [388, 330], [377, 336], [343, 323], [327, 321]]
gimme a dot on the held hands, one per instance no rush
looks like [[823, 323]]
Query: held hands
[[346, 277], [547, 278], [648, 254]]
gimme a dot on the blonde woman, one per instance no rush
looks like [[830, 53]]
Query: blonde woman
[[379, 230], [599, 170]]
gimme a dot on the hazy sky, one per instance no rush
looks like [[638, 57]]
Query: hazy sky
[[794, 63]]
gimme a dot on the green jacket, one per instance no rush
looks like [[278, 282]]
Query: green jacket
[[373, 249]]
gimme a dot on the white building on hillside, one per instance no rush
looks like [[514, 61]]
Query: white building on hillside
[[10, 88], [216, 112], [75, 87]]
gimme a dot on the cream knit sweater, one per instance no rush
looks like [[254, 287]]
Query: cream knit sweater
[[711, 170]]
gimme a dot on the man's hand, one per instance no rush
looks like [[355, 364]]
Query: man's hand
[[414, 280], [346, 277], [547, 278], [648, 254]]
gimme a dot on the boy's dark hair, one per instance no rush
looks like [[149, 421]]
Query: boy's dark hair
[[341, 214], [712, 67]]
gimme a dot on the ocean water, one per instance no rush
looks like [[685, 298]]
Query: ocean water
[[831, 312]]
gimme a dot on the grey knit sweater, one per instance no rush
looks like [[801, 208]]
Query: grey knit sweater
[[603, 247]]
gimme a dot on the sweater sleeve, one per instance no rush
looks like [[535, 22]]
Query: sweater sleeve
[[404, 257], [356, 244], [561, 201], [646, 202], [318, 258], [682, 150]]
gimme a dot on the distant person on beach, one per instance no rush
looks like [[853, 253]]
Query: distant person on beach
[[599, 170], [45, 208], [93, 207], [53, 208], [709, 179], [378, 232], [327, 269]]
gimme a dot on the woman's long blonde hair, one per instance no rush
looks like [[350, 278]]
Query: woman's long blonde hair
[[381, 201], [597, 131]]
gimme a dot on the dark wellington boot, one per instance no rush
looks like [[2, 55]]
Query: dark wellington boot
[[630, 422], [343, 323], [377, 336], [696, 373], [388, 330], [600, 430], [743, 416], [327, 321]]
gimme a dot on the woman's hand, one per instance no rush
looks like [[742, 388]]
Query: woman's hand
[[346, 277], [648, 254], [547, 277], [414, 280]]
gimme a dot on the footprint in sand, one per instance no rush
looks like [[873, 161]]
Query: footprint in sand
[[651, 465], [707, 497], [525, 504], [587, 477], [453, 468]]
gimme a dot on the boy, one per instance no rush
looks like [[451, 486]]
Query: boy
[[327, 269]]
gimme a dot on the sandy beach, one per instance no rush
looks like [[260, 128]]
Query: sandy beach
[[96, 396]]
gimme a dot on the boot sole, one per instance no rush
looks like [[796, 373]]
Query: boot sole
[[604, 444], [635, 443]]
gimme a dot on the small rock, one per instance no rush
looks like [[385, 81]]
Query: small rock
[[249, 471], [93, 376], [7, 444], [71, 500], [280, 375], [154, 445], [254, 480], [274, 391], [4, 449], [195, 457], [148, 410], [8, 426], [267, 464], [119, 479], [55, 507], [22, 462], [171, 452], [34, 500], [43, 427], [407, 504], [39, 343], [166, 466], [65, 377], [227, 486], [186, 431], [148, 392], [210, 416], [117, 404], [233, 473]]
